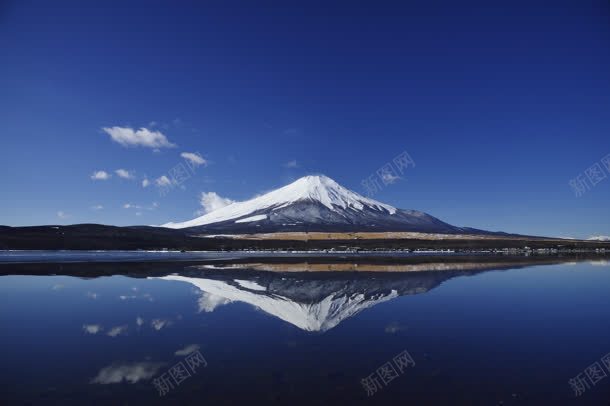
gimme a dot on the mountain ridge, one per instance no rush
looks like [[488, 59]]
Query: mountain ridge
[[315, 203]]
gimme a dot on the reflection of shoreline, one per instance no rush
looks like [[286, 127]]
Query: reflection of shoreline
[[366, 267], [298, 263]]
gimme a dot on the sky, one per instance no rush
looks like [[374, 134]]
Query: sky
[[500, 105]]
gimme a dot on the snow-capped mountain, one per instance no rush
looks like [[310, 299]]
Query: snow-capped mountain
[[314, 203]]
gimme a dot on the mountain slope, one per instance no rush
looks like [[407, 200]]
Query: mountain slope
[[313, 203]]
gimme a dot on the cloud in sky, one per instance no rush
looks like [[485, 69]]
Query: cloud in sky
[[145, 182], [128, 372], [163, 181], [389, 178], [153, 206], [128, 137], [92, 328], [63, 215], [210, 201], [101, 175], [599, 238], [124, 173], [97, 207], [115, 331], [291, 164], [194, 158]]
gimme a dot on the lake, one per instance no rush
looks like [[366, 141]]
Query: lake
[[470, 332]]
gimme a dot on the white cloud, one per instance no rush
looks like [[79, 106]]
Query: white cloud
[[63, 215], [187, 350], [292, 131], [129, 372], [389, 178], [92, 328], [163, 181], [291, 164], [145, 183], [153, 206], [115, 331], [599, 238], [210, 201], [194, 158], [101, 175], [97, 207], [124, 173], [143, 137]]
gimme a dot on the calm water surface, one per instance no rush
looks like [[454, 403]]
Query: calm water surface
[[515, 336]]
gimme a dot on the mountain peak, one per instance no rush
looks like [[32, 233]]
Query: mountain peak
[[316, 179], [319, 189], [312, 183], [325, 190]]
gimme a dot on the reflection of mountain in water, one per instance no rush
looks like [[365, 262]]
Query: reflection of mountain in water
[[312, 302]]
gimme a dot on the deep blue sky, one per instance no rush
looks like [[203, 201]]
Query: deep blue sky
[[500, 104]]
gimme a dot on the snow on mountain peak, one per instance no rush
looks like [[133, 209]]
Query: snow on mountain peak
[[325, 190], [317, 188]]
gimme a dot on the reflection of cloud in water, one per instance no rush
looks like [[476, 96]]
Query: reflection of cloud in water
[[128, 372], [158, 324], [125, 297], [92, 328], [139, 321], [394, 327], [599, 263], [208, 302], [187, 350], [92, 295], [115, 331]]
